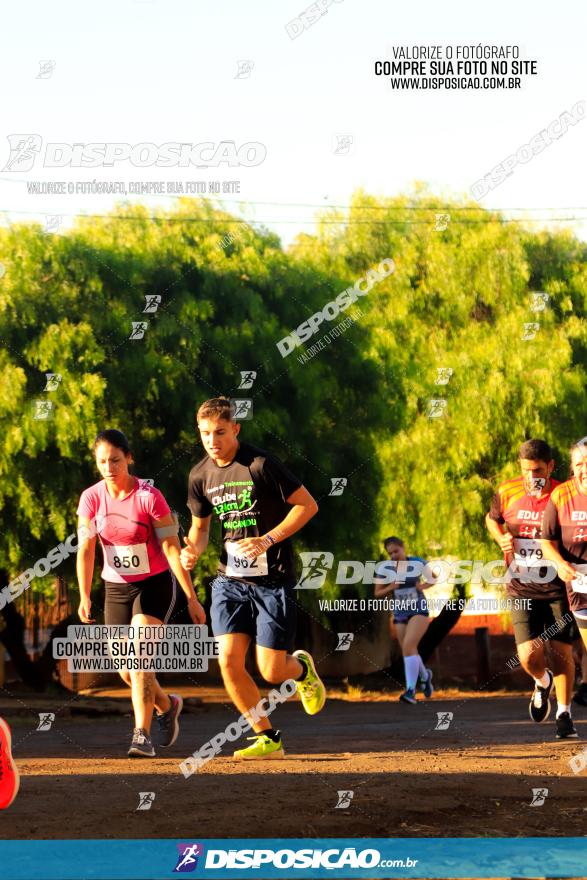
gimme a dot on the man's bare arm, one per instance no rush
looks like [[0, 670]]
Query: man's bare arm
[[196, 541]]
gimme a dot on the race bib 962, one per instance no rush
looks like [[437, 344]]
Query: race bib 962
[[237, 564]]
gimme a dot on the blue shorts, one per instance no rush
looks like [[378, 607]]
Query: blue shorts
[[266, 613]]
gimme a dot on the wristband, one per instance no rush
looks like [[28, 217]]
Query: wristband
[[270, 539], [162, 532]]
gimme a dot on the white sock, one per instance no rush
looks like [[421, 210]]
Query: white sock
[[544, 681], [423, 672], [412, 667], [562, 708]]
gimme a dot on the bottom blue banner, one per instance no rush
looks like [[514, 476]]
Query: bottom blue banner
[[551, 857]]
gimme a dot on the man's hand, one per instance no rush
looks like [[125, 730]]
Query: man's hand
[[84, 611], [506, 542], [566, 572], [188, 556], [253, 547], [196, 611]]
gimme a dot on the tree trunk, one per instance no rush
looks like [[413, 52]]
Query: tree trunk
[[437, 631], [12, 637]]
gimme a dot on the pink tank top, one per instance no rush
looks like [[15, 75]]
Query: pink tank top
[[126, 530]]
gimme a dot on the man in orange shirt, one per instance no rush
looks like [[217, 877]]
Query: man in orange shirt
[[515, 523]]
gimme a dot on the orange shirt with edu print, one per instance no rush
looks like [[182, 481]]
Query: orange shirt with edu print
[[565, 521], [522, 513]]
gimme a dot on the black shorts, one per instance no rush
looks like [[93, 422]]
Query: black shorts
[[531, 623], [156, 596]]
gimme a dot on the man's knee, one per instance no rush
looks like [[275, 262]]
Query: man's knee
[[531, 652], [231, 663], [561, 656], [272, 671]]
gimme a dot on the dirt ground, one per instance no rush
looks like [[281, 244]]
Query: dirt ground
[[408, 778]]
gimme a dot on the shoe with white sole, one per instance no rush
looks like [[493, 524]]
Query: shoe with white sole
[[263, 747], [539, 707], [141, 745]]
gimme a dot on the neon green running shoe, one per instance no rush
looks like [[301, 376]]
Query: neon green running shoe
[[311, 690], [263, 747]]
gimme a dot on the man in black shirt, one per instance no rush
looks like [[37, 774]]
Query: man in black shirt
[[260, 504]]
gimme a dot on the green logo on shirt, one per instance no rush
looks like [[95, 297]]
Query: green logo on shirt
[[239, 523]]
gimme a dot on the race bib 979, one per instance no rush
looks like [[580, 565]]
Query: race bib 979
[[528, 551]]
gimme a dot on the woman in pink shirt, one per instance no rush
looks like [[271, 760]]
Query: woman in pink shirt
[[141, 570]]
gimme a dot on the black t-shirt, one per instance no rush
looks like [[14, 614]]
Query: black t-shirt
[[249, 497]]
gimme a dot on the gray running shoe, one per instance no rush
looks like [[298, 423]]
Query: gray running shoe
[[141, 746], [168, 722]]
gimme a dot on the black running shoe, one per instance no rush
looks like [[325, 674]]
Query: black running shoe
[[580, 697], [141, 746], [426, 685], [564, 727], [168, 722], [539, 707]]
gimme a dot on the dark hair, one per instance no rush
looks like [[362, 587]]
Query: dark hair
[[115, 438], [536, 450], [393, 540], [218, 407]]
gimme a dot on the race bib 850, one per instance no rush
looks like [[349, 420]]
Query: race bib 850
[[129, 559]]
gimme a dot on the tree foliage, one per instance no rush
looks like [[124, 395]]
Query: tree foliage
[[459, 298]]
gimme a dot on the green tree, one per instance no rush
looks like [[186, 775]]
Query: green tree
[[222, 294]]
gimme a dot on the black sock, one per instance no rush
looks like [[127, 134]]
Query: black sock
[[305, 669], [274, 735]]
